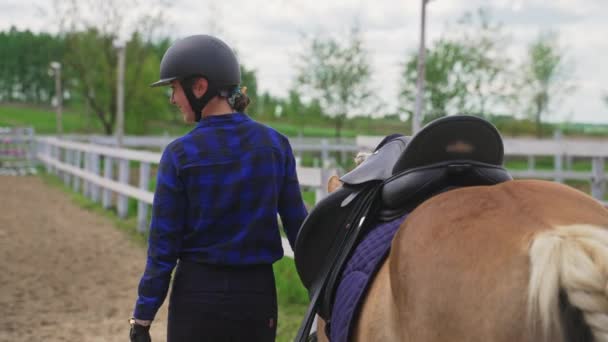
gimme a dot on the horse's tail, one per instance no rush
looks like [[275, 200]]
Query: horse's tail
[[568, 289]]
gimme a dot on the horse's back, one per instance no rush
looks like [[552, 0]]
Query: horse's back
[[460, 261]]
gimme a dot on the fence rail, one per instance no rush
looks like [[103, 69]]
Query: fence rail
[[321, 147], [16, 151], [298, 144], [80, 164]]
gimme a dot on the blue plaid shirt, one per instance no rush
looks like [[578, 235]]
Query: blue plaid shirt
[[218, 193]]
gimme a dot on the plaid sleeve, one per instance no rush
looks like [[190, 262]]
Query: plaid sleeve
[[168, 219], [291, 206]]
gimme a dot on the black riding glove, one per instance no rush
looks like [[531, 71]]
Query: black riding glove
[[140, 333]]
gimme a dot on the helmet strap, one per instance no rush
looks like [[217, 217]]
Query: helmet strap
[[197, 103]]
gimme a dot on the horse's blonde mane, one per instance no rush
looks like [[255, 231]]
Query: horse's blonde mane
[[573, 259]]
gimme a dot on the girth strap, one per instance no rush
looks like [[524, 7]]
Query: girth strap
[[324, 285]]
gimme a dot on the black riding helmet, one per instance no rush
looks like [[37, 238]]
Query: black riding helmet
[[200, 56]]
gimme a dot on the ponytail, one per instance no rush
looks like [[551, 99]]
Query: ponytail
[[239, 99]]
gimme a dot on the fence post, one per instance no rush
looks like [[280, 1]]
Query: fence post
[[559, 158], [31, 144], [95, 170], [343, 156], [37, 149], [321, 191], [142, 207], [598, 180], [86, 185], [57, 157], [107, 174], [298, 153], [77, 162], [531, 163], [52, 155], [123, 178], [46, 151], [559, 167], [69, 156], [324, 153]]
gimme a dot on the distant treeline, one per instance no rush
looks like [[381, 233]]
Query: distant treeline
[[89, 63], [24, 65]]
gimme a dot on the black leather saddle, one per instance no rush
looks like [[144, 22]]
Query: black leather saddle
[[450, 152]]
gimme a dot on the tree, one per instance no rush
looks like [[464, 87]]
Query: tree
[[465, 70], [487, 73], [91, 56], [336, 73], [299, 112], [443, 88], [143, 105], [546, 77]]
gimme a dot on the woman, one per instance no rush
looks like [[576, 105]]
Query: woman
[[215, 208]]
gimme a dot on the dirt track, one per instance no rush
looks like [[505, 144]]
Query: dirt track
[[65, 274]]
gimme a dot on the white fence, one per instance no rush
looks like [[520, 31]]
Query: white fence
[[79, 165], [322, 147], [102, 173], [563, 152], [297, 143], [16, 151]]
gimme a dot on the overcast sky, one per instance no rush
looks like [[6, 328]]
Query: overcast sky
[[268, 35]]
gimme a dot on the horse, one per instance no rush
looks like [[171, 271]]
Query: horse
[[523, 260]]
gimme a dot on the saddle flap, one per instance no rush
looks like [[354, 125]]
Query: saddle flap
[[321, 230], [451, 138]]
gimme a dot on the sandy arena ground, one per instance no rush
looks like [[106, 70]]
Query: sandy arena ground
[[65, 274]]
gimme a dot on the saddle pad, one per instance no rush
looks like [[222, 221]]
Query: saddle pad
[[357, 275]]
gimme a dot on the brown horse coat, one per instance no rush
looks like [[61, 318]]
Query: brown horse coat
[[461, 267]]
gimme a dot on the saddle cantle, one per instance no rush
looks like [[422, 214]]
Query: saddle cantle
[[449, 152]]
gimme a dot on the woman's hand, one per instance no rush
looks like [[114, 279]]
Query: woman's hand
[[140, 331]]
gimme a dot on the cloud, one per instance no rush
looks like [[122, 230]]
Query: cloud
[[9, 7], [537, 16], [17, 13]]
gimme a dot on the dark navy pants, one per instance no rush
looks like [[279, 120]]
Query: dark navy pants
[[220, 303]]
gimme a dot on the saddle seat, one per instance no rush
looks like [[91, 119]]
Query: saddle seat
[[402, 173]]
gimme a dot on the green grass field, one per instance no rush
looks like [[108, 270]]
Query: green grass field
[[75, 120], [44, 121]]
